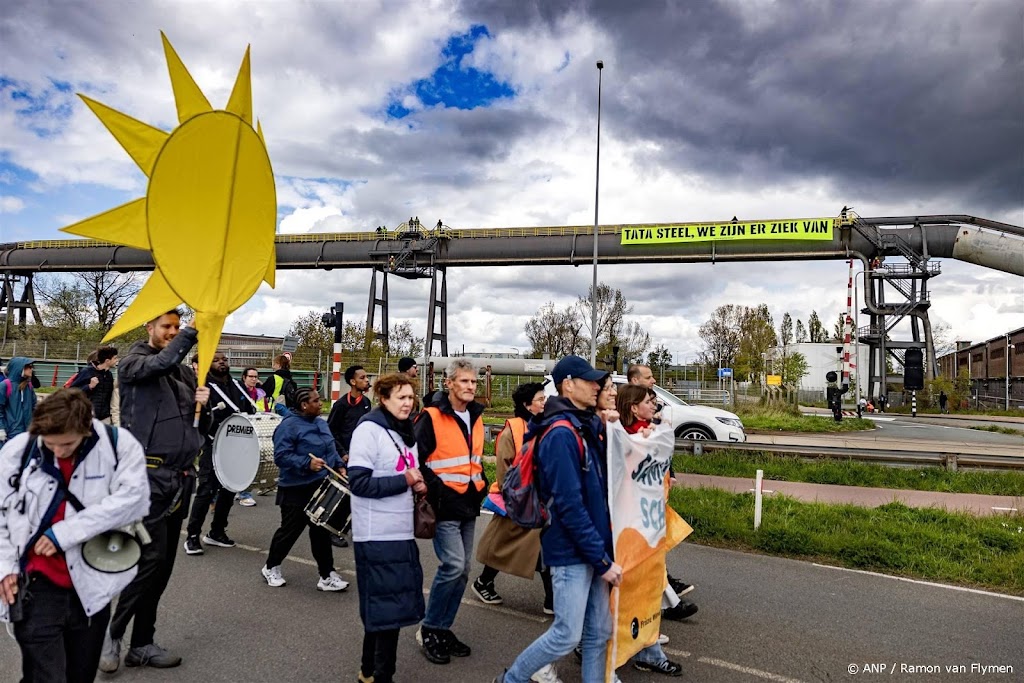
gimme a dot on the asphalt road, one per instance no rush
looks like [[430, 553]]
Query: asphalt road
[[761, 619], [905, 427]]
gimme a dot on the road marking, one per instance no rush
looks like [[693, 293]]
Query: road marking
[[1004, 509], [508, 611], [767, 675], [962, 589], [762, 491], [300, 560]]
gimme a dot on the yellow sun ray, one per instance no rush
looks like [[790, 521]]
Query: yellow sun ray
[[141, 140], [208, 218], [154, 299], [240, 101], [125, 224], [188, 98], [209, 326], [271, 275]]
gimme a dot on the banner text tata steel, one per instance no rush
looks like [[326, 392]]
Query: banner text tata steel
[[788, 229]]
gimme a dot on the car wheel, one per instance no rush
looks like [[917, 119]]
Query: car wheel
[[694, 432]]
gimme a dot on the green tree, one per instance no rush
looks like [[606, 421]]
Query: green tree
[[794, 368], [315, 339], [659, 360], [801, 332], [815, 330], [757, 335], [839, 329], [786, 330]]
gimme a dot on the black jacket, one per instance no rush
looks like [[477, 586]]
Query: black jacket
[[448, 503], [158, 400], [101, 394], [343, 419], [217, 412]]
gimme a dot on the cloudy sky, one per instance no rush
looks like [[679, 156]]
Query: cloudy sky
[[483, 114]]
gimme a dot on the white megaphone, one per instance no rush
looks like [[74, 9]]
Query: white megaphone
[[117, 550]]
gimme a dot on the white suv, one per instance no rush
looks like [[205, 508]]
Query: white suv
[[689, 421]]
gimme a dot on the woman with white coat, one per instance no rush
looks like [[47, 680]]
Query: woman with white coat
[[66, 480], [383, 472]]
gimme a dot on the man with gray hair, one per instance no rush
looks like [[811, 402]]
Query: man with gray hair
[[450, 442]]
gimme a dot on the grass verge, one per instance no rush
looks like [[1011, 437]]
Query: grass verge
[[786, 418], [997, 429], [850, 473], [924, 543]]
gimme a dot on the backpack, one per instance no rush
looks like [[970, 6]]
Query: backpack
[[288, 389], [71, 380], [520, 489]]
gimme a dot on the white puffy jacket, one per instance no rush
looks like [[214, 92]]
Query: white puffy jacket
[[112, 488]]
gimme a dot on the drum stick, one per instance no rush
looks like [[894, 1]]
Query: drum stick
[[328, 468]]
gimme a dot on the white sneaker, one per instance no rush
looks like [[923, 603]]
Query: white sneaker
[[662, 639], [273, 576], [110, 656], [546, 675], [332, 583]]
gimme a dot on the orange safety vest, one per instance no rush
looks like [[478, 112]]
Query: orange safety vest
[[449, 461], [517, 427]]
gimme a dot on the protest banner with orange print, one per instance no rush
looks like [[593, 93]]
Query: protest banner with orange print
[[643, 530]]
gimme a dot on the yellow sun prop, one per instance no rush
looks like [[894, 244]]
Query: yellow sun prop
[[210, 209]]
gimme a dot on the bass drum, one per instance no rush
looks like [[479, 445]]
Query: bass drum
[[267, 474], [238, 450]]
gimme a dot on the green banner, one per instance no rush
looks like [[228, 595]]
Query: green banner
[[787, 229]]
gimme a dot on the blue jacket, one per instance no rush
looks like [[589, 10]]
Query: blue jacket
[[294, 439], [16, 409], [580, 531]]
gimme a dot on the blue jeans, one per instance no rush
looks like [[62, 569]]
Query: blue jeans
[[453, 543], [652, 654], [582, 616]]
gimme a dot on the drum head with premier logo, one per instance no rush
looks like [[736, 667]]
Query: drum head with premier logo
[[236, 453]]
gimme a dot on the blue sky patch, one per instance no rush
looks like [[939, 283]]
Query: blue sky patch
[[452, 84]]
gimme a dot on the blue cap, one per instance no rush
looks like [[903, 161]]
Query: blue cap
[[574, 367]]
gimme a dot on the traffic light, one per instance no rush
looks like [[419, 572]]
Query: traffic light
[[913, 370]]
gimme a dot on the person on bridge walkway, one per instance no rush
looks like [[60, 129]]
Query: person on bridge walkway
[[158, 398], [303, 449], [384, 475], [67, 480], [577, 543], [450, 441], [505, 546], [641, 375], [228, 398]]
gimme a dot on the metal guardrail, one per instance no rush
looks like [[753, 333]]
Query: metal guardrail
[[948, 460]]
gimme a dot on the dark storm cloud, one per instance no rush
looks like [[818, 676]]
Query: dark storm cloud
[[890, 101], [450, 147]]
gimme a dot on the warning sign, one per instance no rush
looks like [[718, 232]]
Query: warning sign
[[788, 229]]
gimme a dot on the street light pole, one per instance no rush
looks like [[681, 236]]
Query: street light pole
[[1009, 347], [597, 186]]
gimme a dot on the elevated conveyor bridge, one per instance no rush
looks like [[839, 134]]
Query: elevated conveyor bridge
[[411, 251]]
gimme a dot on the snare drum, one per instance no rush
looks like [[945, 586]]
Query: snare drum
[[241, 449], [325, 509]]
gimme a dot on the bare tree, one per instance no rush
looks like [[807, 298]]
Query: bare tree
[[556, 332], [110, 293], [721, 337]]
